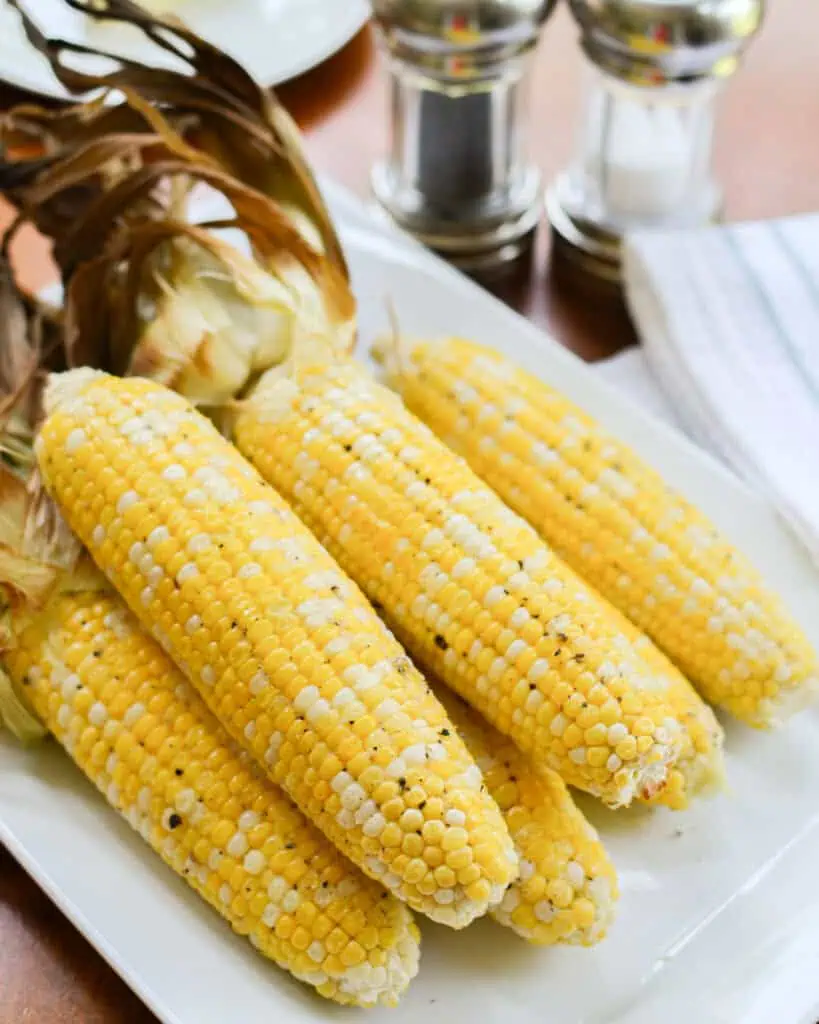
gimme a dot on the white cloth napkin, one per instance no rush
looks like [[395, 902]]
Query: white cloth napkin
[[729, 323]]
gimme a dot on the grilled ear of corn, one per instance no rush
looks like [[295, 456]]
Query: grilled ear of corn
[[140, 733], [467, 585], [567, 887], [73, 659], [284, 649], [615, 521]]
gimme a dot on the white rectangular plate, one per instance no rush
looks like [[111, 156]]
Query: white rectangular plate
[[719, 916]]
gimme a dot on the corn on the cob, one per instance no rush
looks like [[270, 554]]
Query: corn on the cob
[[141, 734], [615, 521], [284, 649], [567, 887], [467, 585]]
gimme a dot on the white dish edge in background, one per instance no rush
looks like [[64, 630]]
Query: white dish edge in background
[[719, 916], [275, 40]]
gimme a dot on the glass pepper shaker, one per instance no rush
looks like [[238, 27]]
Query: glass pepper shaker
[[644, 155], [457, 175]]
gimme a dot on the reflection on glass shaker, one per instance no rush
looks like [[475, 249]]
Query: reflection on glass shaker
[[458, 175]]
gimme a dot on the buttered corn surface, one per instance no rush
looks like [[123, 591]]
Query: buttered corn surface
[[615, 521], [467, 585], [142, 735], [283, 648]]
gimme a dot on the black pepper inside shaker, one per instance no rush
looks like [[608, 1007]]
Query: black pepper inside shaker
[[458, 175], [460, 171]]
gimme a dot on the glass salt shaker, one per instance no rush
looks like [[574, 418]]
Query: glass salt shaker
[[458, 175], [644, 155]]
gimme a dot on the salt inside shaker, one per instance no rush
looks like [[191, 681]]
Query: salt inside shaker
[[457, 175], [644, 156]]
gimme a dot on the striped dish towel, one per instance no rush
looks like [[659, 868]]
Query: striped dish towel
[[729, 321]]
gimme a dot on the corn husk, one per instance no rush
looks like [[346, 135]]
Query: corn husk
[[111, 187], [211, 99], [38, 555]]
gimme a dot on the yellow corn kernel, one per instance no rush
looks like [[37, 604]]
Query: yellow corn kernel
[[567, 886], [87, 645], [202, 551], [411, 524], [617, 523]]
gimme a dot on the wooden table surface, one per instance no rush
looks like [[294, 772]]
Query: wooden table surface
[[768, 158]]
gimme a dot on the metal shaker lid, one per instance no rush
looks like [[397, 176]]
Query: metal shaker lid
[[434, 32], [655, 41]]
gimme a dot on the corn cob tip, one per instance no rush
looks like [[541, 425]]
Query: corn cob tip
[[705, 768], [705, 776], [647, 778], [700, 768], [370, 986], [701, 775], [63, 387], [775, 712], [595, 899]]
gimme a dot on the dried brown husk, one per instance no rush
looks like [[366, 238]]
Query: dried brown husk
[[110, 186], [230, 117], [36, 546], [183, 305], [38, 554]]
